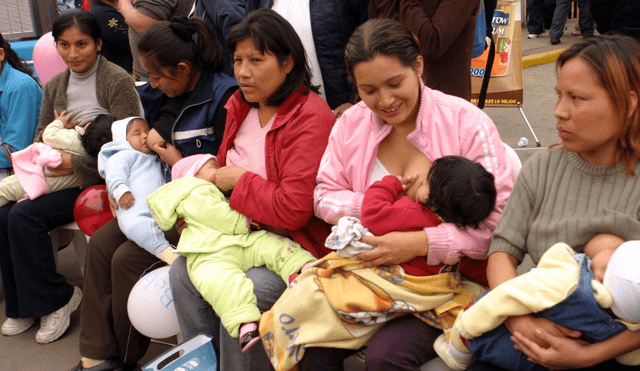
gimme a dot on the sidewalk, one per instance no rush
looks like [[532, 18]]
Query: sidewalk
[[540, 50]]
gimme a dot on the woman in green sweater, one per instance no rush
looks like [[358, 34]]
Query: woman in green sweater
[[589, 184]]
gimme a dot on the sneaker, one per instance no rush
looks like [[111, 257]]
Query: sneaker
[[15, 326], [455, 359], [533, 35], [554, 41], [249, 335], [53, 325]]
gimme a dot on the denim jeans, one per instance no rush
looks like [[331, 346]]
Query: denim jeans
[[195, 315]]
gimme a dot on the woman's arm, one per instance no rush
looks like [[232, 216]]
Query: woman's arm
[[563, 352], [501, 268], [122, 99], [333, 195], [135, 20], [20, 110], [481, 143], [286, 199]]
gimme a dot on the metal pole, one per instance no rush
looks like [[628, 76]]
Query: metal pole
[[530, 128]]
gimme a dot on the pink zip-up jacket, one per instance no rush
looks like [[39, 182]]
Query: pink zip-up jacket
[[446, 125]]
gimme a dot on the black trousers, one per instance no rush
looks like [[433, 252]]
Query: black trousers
[[32, 285]]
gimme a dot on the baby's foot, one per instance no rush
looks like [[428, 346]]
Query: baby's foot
[[249, 335]]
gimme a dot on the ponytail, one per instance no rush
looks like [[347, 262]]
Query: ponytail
[[191, 40]]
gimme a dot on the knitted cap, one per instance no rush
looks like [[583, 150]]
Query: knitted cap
[[622, 280], [119, 128], [189, 166]]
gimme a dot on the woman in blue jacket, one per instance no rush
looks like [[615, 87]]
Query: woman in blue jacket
[[184, 103], [20, 99]]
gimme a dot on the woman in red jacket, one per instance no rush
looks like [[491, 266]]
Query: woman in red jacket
[[276, 131]]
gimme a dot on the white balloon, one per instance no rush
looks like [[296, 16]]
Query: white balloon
[[150, 305]]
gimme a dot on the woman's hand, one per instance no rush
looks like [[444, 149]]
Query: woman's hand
[[113, 205], [64, 168], [394, 248], [528, 325], [167, 152], [227, 177], [561, 353]]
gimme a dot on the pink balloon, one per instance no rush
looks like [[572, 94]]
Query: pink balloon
[[46, 59]]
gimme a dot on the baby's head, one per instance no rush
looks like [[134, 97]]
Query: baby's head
[[202, 166], [134, 130], [461, 191], [621, 278], [97, 133]]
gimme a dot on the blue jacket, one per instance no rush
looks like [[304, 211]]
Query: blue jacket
[[332, 23], [193, 131], [20, 100]]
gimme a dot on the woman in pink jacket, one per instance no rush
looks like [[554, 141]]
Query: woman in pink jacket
[[399, 128]]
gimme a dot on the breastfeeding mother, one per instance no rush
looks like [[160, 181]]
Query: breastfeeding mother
[[90, 86], [185, 103], [399, 128], [277, 129]]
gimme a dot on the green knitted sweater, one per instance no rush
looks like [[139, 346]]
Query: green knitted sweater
[[558, 197]]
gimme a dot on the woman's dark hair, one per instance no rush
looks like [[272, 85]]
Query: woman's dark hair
[[380, 37], [273, 34], [189, 40], [461, 191], [12, 58], [97, 134], [615, 61], [86, 22]]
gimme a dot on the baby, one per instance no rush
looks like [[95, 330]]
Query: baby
[[31, 179], [220, 246], [566, 287], [132, 173], [456, 190]]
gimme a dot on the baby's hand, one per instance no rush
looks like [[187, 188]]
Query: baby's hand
[[126, 201], [64, 118], [408, 181]]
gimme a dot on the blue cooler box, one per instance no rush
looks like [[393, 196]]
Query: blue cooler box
[[198, 356]]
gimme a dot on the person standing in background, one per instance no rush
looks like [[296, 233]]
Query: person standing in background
[[115, 33], [539, 16], [140, 14], [445, 30], [563, 7]]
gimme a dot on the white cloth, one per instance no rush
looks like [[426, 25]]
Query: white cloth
[[345, 237]]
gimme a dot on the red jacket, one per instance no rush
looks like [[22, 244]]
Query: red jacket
[[293, 148], [384, 212]]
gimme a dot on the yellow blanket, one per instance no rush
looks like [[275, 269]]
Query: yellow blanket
[[336, 304]]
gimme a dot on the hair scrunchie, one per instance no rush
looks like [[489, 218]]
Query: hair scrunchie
[[184, 31]]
